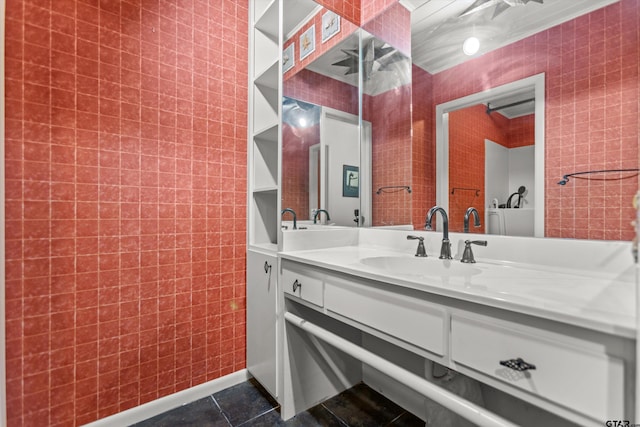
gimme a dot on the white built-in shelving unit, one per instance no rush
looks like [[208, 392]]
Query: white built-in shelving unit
[[265, 95], [264, 159]]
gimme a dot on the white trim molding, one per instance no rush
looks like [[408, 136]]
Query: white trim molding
[[164, 404]]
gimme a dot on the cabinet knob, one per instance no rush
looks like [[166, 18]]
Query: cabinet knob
[[267, 267], [517, 364], [296, 285]]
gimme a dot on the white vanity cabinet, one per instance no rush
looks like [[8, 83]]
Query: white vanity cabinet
[[262, 320], [414, 322], [576, 372], [582, 375], [303, 283]]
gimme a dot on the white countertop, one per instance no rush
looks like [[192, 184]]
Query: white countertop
[[599, 300]]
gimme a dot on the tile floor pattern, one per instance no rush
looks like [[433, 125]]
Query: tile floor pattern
[[248, 405]]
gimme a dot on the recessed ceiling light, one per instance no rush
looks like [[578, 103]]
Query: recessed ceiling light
[[471, 46]]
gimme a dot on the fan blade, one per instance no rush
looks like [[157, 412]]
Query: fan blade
[[347, 62], [477, 6], [501, 7]]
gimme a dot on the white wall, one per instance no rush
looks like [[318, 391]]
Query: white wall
[[496, 172], [339, 132], [521, 163], [506, 170]]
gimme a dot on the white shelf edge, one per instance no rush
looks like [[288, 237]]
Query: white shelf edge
[[269, 76], [270, 247], [263, 133], [268, 23], [266, 189], [268, 135]]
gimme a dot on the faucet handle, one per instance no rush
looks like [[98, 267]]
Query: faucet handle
[[467, 255], [420, 252]]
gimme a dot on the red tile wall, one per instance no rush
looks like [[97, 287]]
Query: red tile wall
[[295, 168], [592, 121], [522, 131], [423, 149], [468, 129], [126, 202], [305, 85], [391, 23], [349, 9], [390, 116]]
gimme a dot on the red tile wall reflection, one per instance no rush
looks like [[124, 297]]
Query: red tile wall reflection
[[314, 88], [126, 202], [468, 129], [391, 23], [592, 122], [423, 147], [390, 116], [349, 9], [296, 142]]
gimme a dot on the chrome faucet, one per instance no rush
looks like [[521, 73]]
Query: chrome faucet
[[445, 249], [467, 214], [285, 210], [317, 212]]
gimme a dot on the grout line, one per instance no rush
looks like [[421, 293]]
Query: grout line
[[397, 418], [256, 417], [334, 415], [215, 402]]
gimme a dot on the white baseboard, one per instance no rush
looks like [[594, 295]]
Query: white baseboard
[[164, 404]]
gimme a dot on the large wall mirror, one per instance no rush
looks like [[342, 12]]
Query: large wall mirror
[[346, 131], [584, 56], [490, 156]]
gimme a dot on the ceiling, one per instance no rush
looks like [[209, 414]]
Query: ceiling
[[386, 68], [438, 29]]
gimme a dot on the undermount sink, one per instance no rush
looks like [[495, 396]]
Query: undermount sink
[[416, 266]]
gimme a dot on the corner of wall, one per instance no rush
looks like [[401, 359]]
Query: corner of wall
[[3, 376]]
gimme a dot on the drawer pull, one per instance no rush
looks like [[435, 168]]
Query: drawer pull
[[517, 364], [296, 285], [267, 267]]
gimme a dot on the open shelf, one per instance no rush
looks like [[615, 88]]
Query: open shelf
[[270, 133], [265, 218], [265, 99], [265, 107], [268, 20], [265, 162], [265, 189], [269, 77], [266, 53]]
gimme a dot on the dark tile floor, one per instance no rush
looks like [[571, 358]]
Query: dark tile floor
[[248, 405]]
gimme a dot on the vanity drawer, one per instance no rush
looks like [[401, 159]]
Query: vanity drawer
[[412, 320], [305, 284], [570, 372]]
